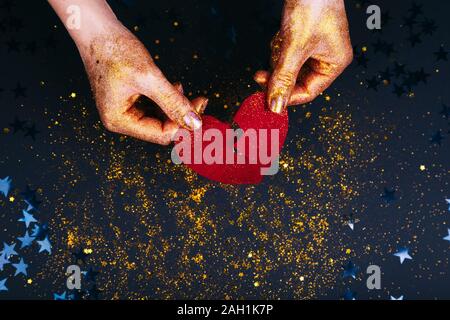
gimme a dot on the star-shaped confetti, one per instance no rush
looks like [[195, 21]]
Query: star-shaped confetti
[[389, 195], [403, 254], [5, 186], [26, 240], [448, 236], [398, 90], [91, 275], [80, 256], [350, 270], [3, 285], [31, 131], [94, 292], [351, 224], [40, 231], [28, 193], [8, 250], [3, 261], [441, 54], [19, 91], [62, 296], [45, 246], [28, 218], [437, 138], [445, 112], [21, 267], [349, 295], [17, 125]]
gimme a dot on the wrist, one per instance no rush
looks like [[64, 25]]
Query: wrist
[[94, 24], [86, 20]]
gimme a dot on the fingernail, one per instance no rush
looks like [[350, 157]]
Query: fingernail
[[179, 87], [173, 134], [203, 107], [277, 104], [192, 120]]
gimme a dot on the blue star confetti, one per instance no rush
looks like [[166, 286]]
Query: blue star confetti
[[5, 185], [27, 218], [350, 270], [13, 255], [3, 261], [62, 296], [45, 246], [448, 236], [403, 254], [26, 240], [21, 267], [349, 295], [8, 250], [159, 232], [3, 285]]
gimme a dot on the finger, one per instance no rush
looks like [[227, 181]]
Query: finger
[[179, 87], [262, 77], [318, 77], [174, 104], [147, 128], [284, 76], [200, 104]]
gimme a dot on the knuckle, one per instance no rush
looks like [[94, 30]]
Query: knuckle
[[163, 142], [284, 79], [110, 123], [347, 57], [177, 106]]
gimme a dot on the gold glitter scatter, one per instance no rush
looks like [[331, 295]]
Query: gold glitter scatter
[[156, 230]]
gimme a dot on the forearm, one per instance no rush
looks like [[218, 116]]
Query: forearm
[[85, 19]]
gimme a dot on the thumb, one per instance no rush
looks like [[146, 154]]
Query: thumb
[[284, 76], [172, 102]]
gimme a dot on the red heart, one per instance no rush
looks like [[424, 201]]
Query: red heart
[[252, 116]]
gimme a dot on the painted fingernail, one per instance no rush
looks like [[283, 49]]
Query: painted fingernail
[[192, 120], [179, 87], [278, 104], [173, 134], [203, 107]]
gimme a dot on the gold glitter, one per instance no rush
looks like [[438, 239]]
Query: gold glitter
[[154, 224]]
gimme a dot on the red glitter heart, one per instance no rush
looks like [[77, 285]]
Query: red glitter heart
[[253, 114]]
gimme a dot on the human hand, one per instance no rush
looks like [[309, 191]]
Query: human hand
[[311, 49], [120, 70]]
